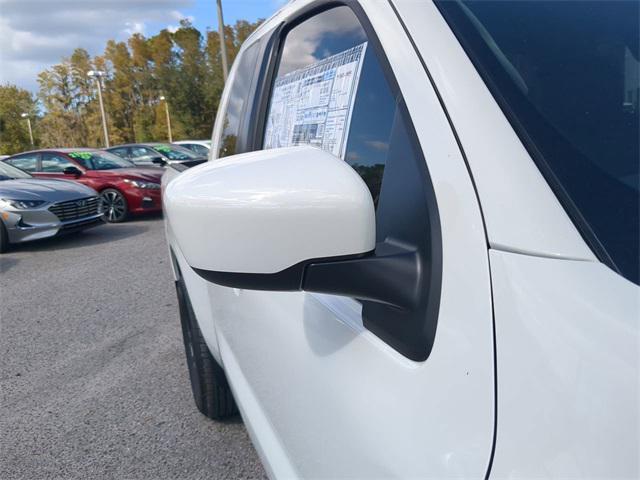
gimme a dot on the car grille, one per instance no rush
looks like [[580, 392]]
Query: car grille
[[75, 209]]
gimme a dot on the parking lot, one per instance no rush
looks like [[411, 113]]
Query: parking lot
[[94, 381]]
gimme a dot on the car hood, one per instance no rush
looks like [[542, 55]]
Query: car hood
[[47, 190], [147, 174]]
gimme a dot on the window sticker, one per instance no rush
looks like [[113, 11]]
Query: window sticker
[[313, 105], [81, 155]]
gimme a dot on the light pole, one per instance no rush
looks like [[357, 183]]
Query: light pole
[[223, 45], [26, 115], [166, 111], [97, 74]]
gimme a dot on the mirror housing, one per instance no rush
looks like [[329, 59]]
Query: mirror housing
[[161, 162], [300, 219], [75, 171], [257, 218]]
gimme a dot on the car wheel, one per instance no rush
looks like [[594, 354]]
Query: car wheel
[[209, 385], [4, 238], [114, 205]]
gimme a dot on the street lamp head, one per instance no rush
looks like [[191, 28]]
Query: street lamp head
[[24, 115], [162, 97], [95, 73]]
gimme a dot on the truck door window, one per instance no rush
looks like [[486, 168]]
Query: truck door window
[[318, 58], [236, 102]]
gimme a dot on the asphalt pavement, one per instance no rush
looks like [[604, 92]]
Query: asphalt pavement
[[93, 381]]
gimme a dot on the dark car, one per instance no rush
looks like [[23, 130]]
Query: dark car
[[156, 153], [124, 187]]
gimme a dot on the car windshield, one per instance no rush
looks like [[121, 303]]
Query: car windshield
[[7, 172], [173, 152], [566, 75], [95, 160]]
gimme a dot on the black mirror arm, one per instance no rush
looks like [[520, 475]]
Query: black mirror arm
[[391, 275], [72, 171]]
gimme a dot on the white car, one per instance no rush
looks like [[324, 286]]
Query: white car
[[414, 252], [201, 147]]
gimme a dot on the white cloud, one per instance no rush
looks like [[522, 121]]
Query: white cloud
[[178, 16], [35, 34], [134, 27], [377, 145], [301, 48]]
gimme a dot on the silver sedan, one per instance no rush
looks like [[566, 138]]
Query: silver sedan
[[31, 209]]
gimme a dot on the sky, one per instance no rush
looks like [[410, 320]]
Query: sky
[[35, 34]]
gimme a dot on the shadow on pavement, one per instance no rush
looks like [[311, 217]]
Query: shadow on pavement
[[7, 263], [147, 217], [233, 420]]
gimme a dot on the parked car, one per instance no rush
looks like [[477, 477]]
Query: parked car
[[155, 153], [31, 209], [414, 253], [124, 188], [199, 147]]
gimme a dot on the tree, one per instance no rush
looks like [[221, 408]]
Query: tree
[[14, 133], [67, 97], [183, 66], [188, 93], [119, 95], [145, 92]]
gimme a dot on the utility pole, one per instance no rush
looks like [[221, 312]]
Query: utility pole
[[166, 111], [26, 115], [97, 74], [223, 45]]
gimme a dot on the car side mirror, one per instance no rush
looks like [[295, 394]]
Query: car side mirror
[[75, 171], [161, 162], [284, 220]]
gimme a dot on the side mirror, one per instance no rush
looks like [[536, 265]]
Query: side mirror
[[161, 162], [75, 171], [287, 219]]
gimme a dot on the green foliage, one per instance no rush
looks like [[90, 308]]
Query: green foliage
[[184, 66], [14, 133]]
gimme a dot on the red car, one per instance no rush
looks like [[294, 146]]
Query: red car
[[124, 187]]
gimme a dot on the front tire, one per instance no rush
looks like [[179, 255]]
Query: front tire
[[114, 205], [209, 385], [4, 238]]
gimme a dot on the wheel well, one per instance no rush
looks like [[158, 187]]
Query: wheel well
[[110, 187]]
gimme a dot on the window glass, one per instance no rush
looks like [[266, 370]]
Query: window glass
[[121, 152], [325, 102], [567, 73], [238, 96], [142, 152], [199, 149], [7, 172], [28, 162], [94, 160], [174, 152], [52, 162]]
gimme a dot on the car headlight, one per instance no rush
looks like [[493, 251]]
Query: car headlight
[[20, 204], [141, 184]]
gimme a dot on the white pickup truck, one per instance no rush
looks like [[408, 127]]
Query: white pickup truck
[[414, 250]]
